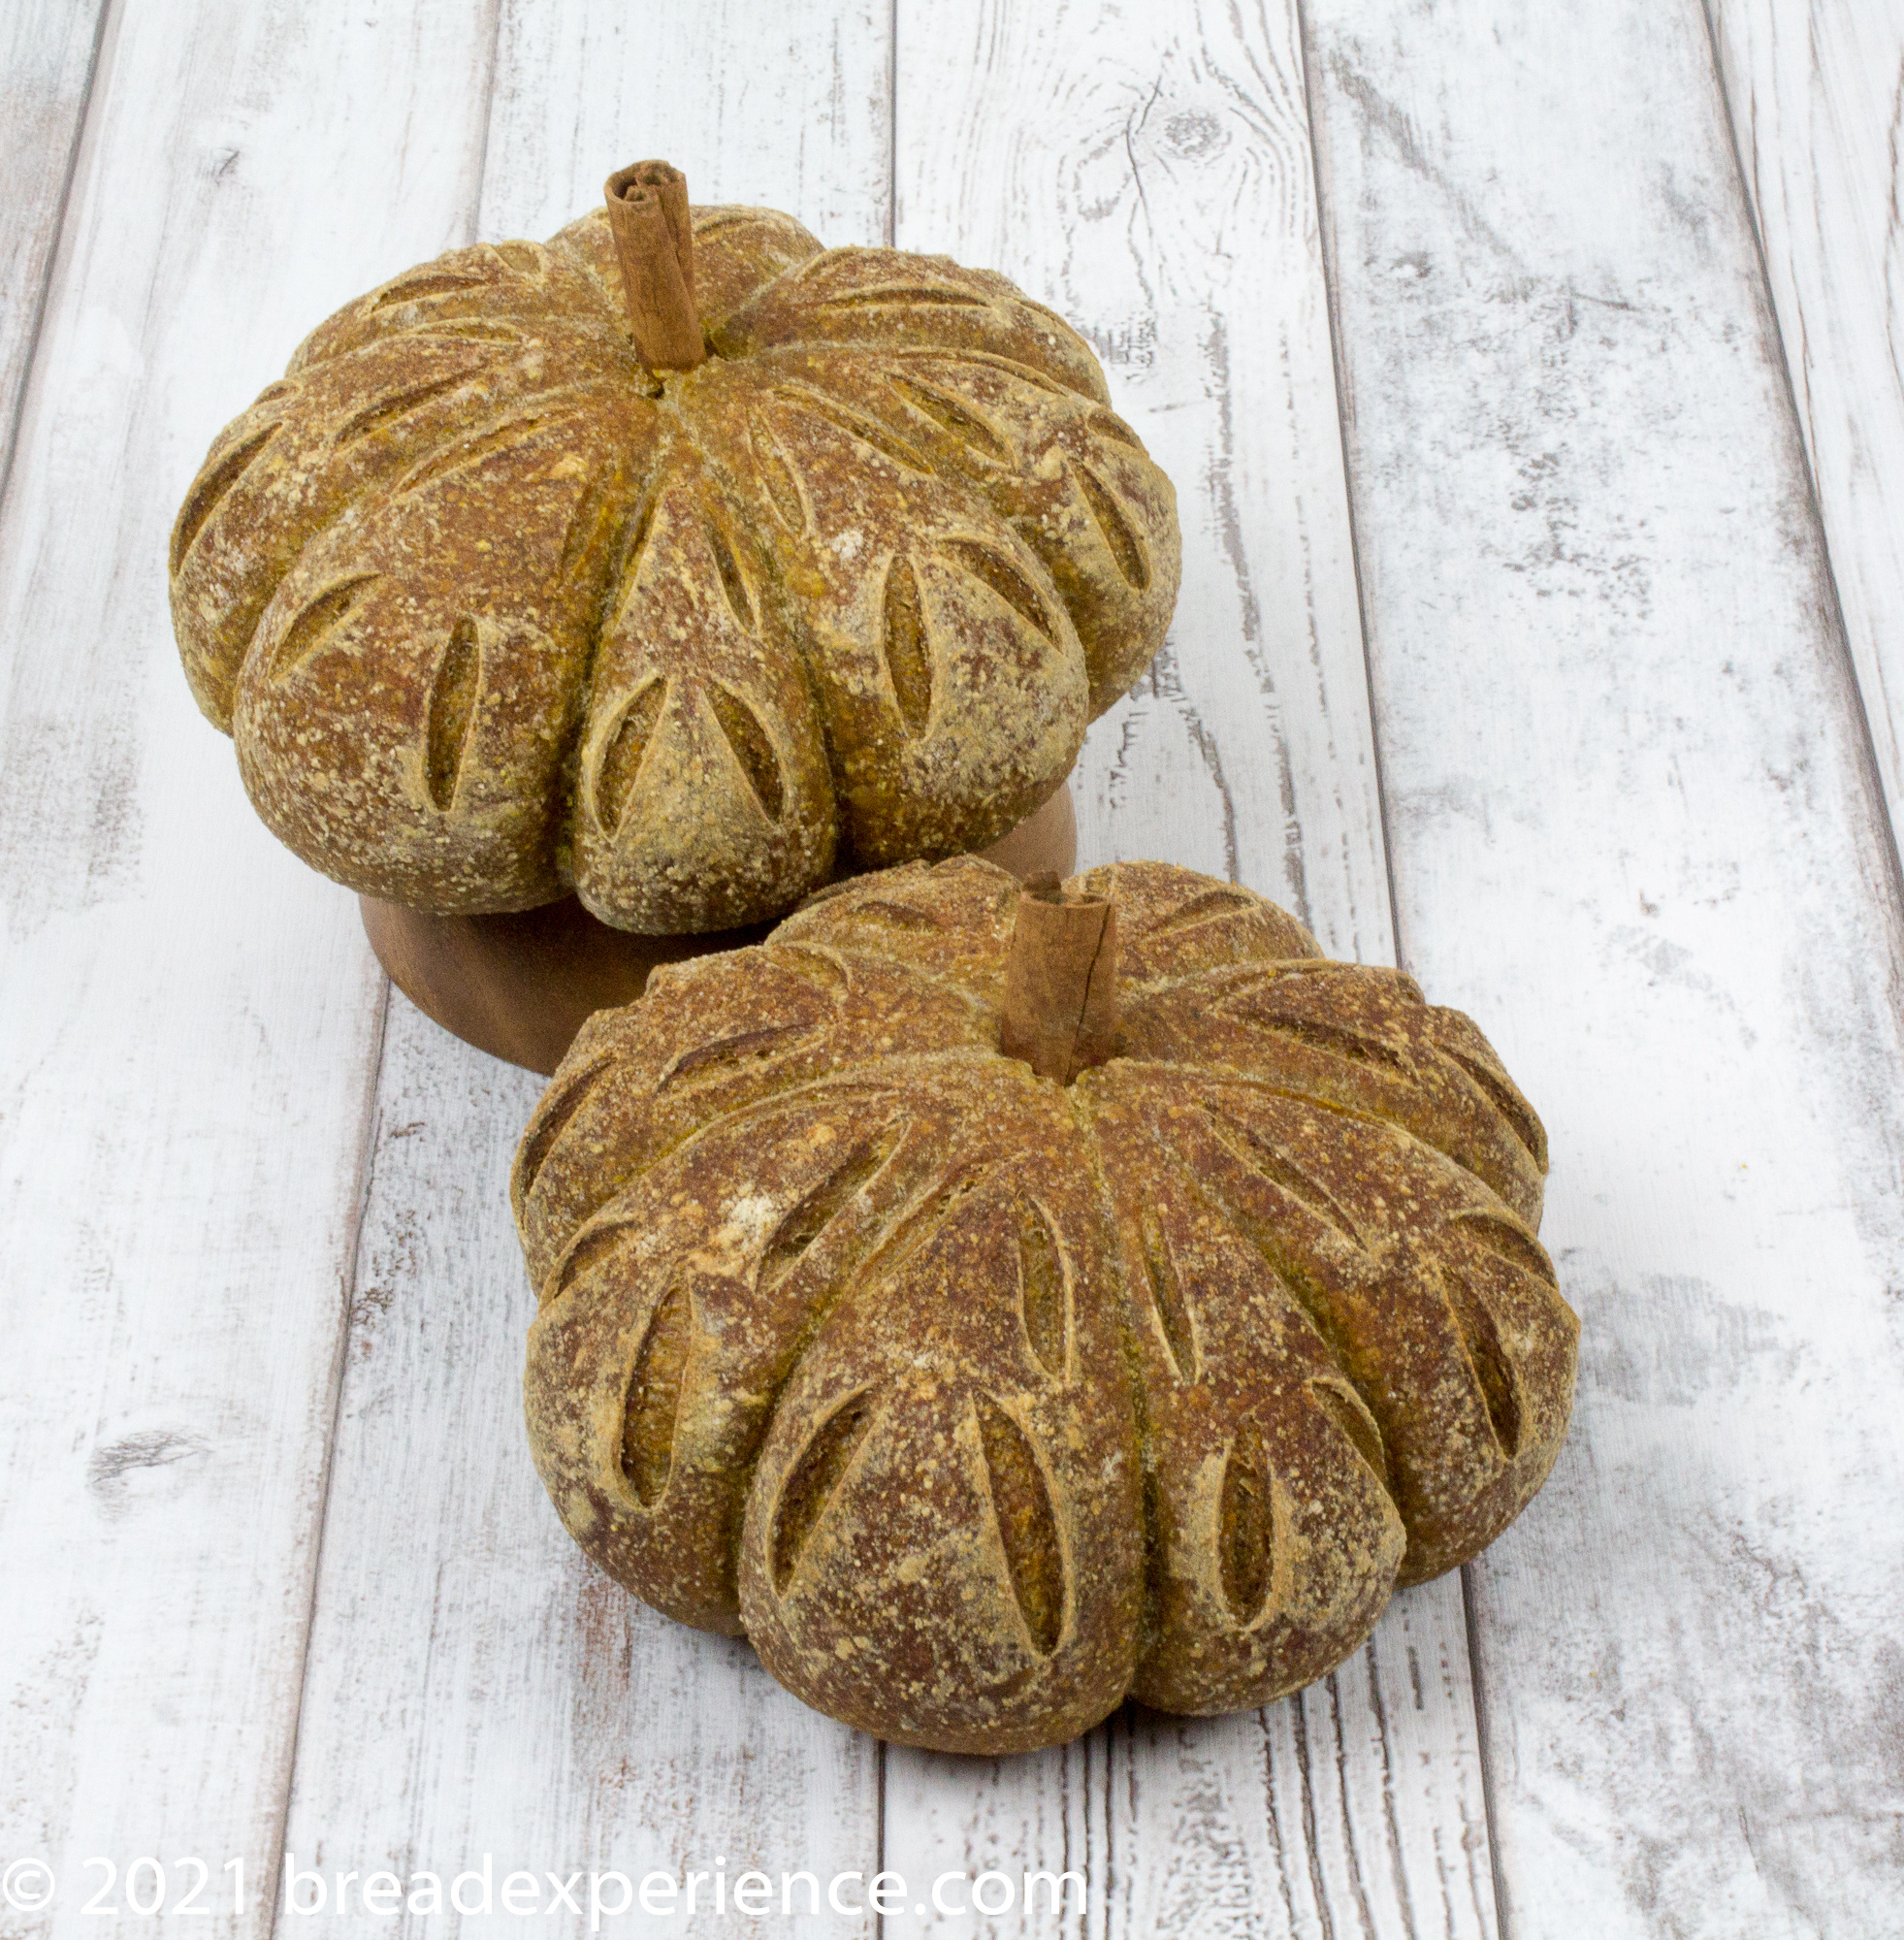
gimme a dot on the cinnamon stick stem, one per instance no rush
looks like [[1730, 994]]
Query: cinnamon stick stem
[[1060, 981], [655, 245]]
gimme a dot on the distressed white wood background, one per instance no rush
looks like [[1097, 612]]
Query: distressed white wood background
[[1530, 380]]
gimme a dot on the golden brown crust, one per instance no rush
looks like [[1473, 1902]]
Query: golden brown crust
[[493, 611], [979, 1402]]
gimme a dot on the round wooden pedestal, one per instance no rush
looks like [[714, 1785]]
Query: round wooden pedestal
[[521, 985]]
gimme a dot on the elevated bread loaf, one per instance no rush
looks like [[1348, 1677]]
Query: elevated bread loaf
[[495, 610]]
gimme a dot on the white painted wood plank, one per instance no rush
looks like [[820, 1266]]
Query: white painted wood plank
[[475, 1687], [1817, 93], [47, 53], [191, 1018], [1148, 173], [1633, 828], [787, 107], [522, 1703]]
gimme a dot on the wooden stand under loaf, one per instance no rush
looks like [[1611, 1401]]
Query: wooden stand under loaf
[[520, 985]]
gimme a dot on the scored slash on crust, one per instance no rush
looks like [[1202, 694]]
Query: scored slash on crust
[[1027, 1529], [413, 289], [814, 1480], [387, 410], [908, 662], [626, 746], [1176, 1319], [209, 493], [953, 415], [451, 716], [1044, 1290], [1246, 1545], [316, 620], [654, 1393], [1126, 548]]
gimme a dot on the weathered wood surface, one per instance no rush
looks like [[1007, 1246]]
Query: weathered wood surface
[[1148, 173], [1816, 92], [1633, 827], [49, 50], [520, 1703], [191, 1018], [279, 1572]]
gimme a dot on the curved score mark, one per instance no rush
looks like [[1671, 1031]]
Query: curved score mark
[[1509, 1243], [813, 963], [800, 1231], [1520, 1120], [1108, 424], [1333, 1039], [815, 1480], [441, 282], [1246, 1529], [1042, 1290], [621, 760], [1210, 906], [1340, 1402], [1174, 1315], [528, 260], [455, 457], [908, 660], [1004, 579], [728, 568], [319, 618], [1257, 1156], [469, 329], [752, 748], [1034, 1555], [1494, 1372], [211, 492], [952, 415], [591, 523], [551, 1120], [777, 475], [718, 1060], [452, 711], [653, 1400], [898, 293], [374, 417], [861, 429], [889, 914], [1126, 548]]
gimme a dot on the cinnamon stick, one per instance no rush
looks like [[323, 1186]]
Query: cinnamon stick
[[1060, 981], [655, 245]]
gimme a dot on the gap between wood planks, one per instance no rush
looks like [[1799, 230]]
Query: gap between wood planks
[[366, 1180], [1330, 271], [21, 359], [1881, 781]]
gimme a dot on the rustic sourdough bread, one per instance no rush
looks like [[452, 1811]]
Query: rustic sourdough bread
[[978, 1399]]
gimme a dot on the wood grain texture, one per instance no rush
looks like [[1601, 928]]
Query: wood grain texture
[[191, 1020], [1634, 827], [522, 1704], [525, 1703], [47, 52], [1817, 98], [785, 107], [1148, 174]]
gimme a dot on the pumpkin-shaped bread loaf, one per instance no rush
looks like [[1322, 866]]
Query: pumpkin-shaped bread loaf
[[978, 1399], [498, 604]]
